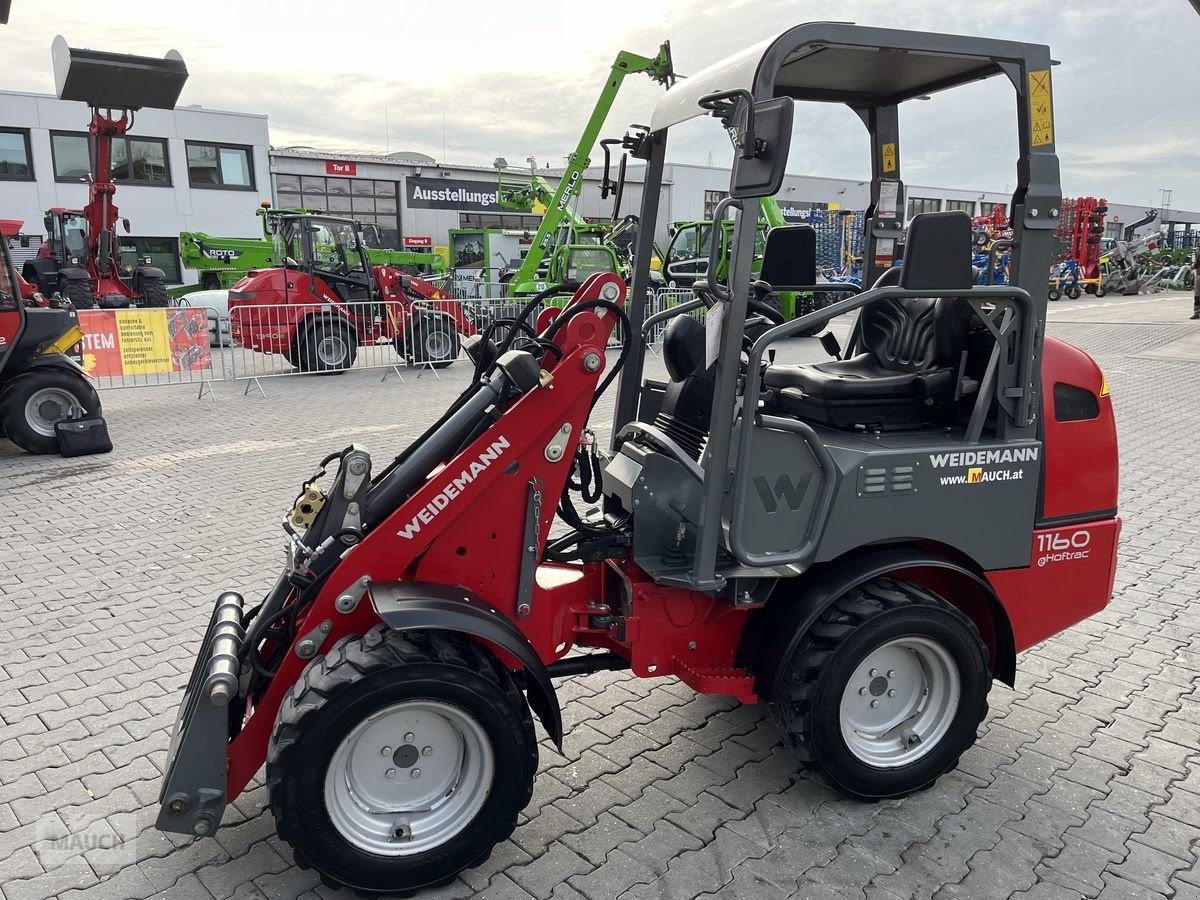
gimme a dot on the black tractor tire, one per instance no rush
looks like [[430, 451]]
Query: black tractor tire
[[1101, 290], [154, 294], [1090, 288], [818, 683], [373, 675], [1054, 295], [1073, 293], [31, 403], [326, 347], [79, 291], [433, 341]]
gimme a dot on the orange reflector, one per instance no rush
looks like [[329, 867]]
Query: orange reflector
[[1103, 386]]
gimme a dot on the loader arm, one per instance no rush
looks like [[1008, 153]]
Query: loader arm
[[658, 68]]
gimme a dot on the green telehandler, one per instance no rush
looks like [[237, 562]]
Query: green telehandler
[[223, 261]]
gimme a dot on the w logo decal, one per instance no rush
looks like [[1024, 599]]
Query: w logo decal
[[793, 494]]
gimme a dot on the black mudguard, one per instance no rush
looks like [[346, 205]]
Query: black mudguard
[[801, 611], [57, 360], [419, 605], [149, 272]]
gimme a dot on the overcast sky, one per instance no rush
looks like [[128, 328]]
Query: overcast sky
[[520, 78]]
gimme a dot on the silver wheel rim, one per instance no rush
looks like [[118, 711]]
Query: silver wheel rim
[[46, 407], [900, 702], [437, 345], [409, 778], [332, 351]]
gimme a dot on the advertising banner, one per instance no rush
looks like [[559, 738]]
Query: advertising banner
[[121, 342]]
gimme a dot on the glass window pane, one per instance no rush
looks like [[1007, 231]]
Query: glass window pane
[[362, 187], [235, 167], [338, 204], [385, 189], [14, 160], [339, 186], [314, 201], [313, 184], [290, 183], [118, 165], [164, 253], [149, 161], [70, 156], [385, 206], [364, 204], [202, 164]]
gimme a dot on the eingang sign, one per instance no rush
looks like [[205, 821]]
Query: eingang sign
[[451, 193]]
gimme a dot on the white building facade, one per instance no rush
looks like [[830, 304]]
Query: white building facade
[[187, 169]]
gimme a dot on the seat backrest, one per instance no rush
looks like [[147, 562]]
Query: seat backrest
[[917, 334], [790, 256]]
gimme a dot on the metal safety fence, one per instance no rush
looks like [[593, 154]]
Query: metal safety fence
[[201, 346]]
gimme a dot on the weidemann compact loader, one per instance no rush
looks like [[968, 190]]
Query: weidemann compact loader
[[863, 544]]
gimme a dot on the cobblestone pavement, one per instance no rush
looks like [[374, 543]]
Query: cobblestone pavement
[[1085, 780]]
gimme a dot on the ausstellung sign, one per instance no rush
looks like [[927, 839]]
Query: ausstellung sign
[[451, 193]]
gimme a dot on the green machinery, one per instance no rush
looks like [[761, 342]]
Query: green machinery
[[565, 248], [224, 260]]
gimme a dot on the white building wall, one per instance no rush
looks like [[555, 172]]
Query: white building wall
[[152, 211]]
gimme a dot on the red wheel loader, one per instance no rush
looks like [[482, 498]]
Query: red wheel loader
[[862, 544], [81, 259]]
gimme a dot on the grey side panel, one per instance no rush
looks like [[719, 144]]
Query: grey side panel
[[417, 605], [980, 499]]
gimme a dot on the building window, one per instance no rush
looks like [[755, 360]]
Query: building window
[[711, 199], [923, 205], [162, 252], [967, 206], [362, 199], [133, 161], [514, 221], [15, 155], [986, 209], [220, 166]]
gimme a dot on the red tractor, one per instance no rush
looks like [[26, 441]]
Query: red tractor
[[81, 260], [39, 384], [863, 544], [328, 300]]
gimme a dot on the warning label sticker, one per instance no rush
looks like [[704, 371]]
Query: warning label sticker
[[889, 157], [1041, 118]]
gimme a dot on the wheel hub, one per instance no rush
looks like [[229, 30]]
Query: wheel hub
[[409, 778], [900, 701], [331, 351], [47, 407]]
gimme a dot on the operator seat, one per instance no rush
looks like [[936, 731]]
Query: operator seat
[[913, 345]]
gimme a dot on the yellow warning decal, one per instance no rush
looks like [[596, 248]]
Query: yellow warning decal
[[1041, 115], [1103, 386], [889, 157]]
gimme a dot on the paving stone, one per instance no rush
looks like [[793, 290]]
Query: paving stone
[[557, 864], [700, 871], [618, 873], [656, 850]]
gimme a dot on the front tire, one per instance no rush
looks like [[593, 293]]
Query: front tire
[[435, 342], [1054, 295], [885, 691], [79, 292], [353, 731], [327, 347], [154, 294], [31, 405]]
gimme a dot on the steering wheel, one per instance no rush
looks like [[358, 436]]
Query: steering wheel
[[752, 303]]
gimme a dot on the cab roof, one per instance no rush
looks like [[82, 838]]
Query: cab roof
[[836, 62]]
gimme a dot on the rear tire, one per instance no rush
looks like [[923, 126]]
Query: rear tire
[[1073, 293], [79, 292], [1054, 295], [885, 691], [326, 347], [32, 403], [330, 792]]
